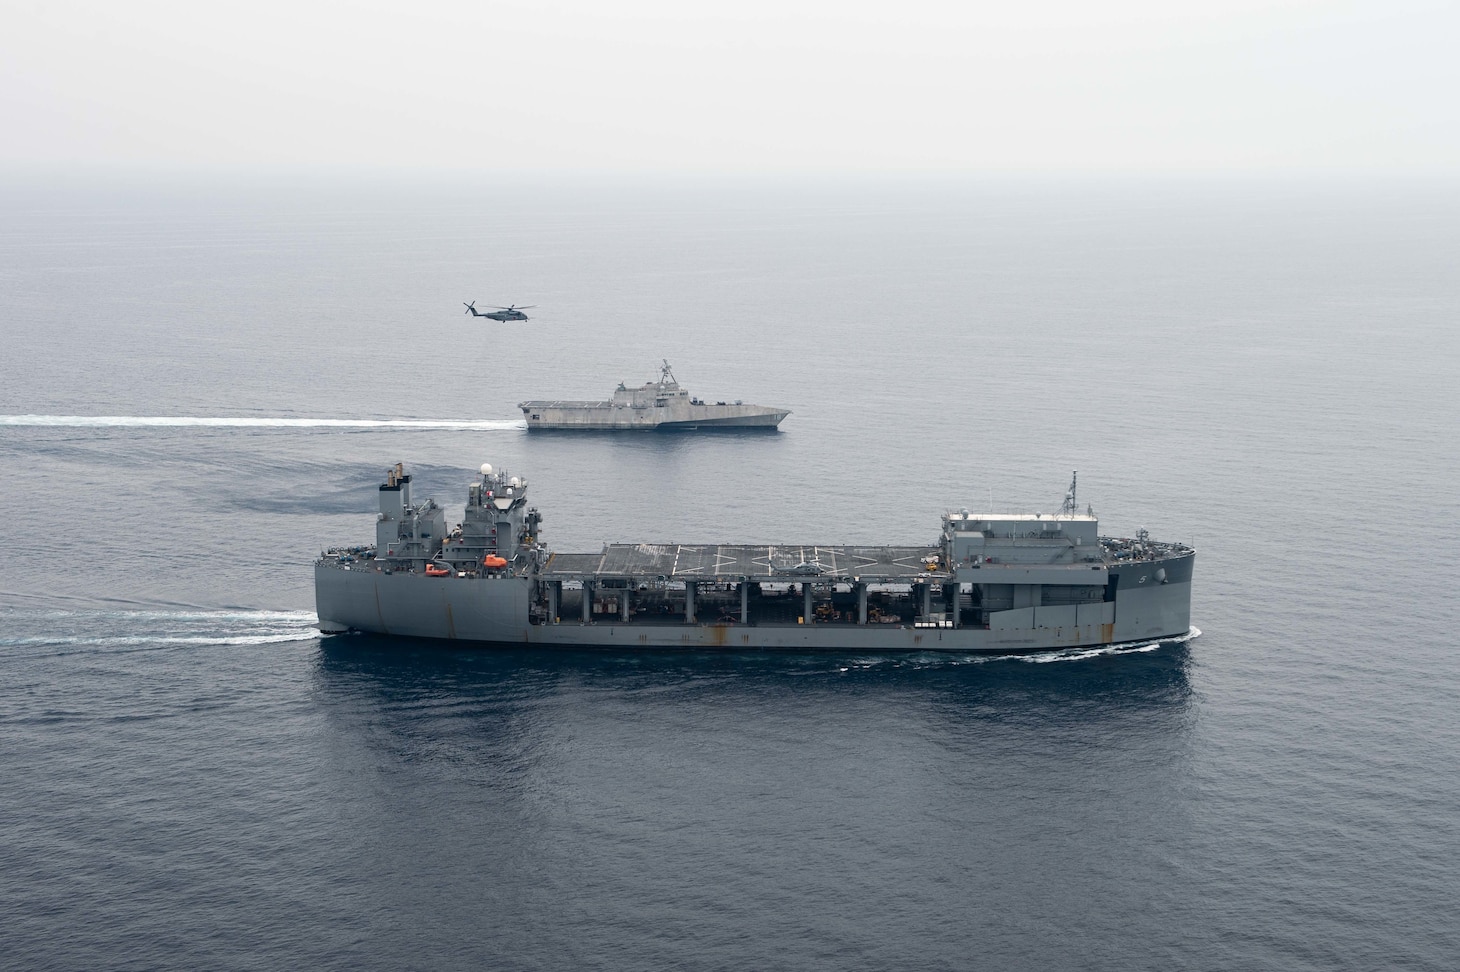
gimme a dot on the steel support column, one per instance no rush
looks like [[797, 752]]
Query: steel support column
[[744, 602], [689, 602], [861, 603], [806, 599]]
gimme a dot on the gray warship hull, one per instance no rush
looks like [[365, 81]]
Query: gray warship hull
[[498, 612], [661, 405], [994, 584], [604, 417]]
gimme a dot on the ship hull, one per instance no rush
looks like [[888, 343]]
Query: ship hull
[[496, 611], [603, 417]]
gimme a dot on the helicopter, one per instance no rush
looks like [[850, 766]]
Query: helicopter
[[503, 314]]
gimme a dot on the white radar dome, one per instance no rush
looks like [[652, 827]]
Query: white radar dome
[[516, 482], [486, 469]]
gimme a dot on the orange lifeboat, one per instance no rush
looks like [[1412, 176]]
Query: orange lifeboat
[[434, 571], [493, 562]]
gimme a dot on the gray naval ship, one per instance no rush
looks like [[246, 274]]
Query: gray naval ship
[[992, 582], [662, 404]]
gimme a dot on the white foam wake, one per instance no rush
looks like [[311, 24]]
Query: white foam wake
[[229, 422], [944, 659], [113, 630], [1125, 648]]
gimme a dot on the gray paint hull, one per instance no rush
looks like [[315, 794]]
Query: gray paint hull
[[493, 610], [686, 417]]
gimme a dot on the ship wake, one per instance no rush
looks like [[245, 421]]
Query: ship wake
[[941, 659], [63, 632], [1080, 654], [254, 422]]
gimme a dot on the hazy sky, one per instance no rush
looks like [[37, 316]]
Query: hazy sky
[[744, 86]]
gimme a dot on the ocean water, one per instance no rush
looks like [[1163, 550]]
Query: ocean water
[[202, 385]]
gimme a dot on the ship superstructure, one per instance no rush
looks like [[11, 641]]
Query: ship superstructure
[[989, 583], [663, 405]]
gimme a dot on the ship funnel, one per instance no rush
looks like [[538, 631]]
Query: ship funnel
[[395, 497]]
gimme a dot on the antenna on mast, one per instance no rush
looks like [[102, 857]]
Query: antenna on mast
[[1070, 506]]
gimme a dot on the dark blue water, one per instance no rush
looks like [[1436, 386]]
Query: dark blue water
[[193, 779]]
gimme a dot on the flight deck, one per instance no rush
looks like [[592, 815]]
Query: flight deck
[[788, 564]]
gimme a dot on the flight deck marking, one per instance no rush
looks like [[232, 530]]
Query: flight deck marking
[[722, 559], [697, 568]]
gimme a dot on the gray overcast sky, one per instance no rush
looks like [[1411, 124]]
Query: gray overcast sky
[[746, 86]]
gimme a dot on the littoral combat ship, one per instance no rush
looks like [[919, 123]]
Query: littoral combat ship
[[661, 404], [992, 582]]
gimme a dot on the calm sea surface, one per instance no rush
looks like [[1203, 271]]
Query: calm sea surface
[[194, 779]]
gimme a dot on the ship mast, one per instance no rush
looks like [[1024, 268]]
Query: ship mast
[[1070, 507]]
